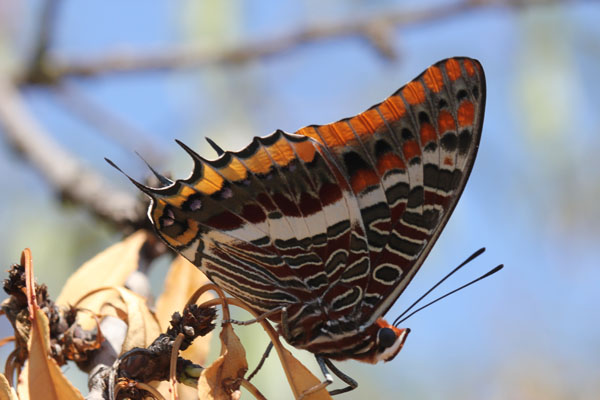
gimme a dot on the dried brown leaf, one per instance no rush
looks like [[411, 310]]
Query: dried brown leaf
[[299, 377], [42, 378], [182, 280], [6, 391], [111, 267], [27, 262], [103, 302], [222, 379], [142, 325]]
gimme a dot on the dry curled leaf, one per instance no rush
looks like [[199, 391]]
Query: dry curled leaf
[[101, 302], [222, 379], [6, 391], [142, 324], [111, 268], [300, 377], [42, 378]]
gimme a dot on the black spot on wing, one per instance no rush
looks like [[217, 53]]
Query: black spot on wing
[[465, 138], [449, 141]]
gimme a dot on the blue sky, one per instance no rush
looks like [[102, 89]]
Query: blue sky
[[532, 331]]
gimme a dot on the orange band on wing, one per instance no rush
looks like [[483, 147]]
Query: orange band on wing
[[445, 122], [157, 212], [433, 79], [389, 161], [334, 135], [392, 108], [427, 133], [362, 179], [306, 151], [310, 132], [210, 182], [414, 93], [466, 113], [259, 162], [190, 233], [234, 171], [410, 149], [184, 193], [469, 67], [453, 69], [281, 152], [366, 123]]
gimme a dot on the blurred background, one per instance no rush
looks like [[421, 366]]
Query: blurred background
[[84, 80]]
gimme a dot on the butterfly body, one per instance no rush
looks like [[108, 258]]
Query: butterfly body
[[328, 225]]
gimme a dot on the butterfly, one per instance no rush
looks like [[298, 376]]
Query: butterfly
[[324, 228]]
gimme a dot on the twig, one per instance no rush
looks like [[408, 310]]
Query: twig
[[375, 29], [78, 102], [39, 70], [62, 170]]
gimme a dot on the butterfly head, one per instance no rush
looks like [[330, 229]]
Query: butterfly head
[[388, 341]]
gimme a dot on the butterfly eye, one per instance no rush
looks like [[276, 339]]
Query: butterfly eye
[[385, 337]]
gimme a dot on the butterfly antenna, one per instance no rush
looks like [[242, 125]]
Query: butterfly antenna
[[215, 146], [143, 188], [161, 178], [490, 273], [468, 260]]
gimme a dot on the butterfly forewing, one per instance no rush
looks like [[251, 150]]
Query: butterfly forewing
[[407, 160], [334, 220], [447, 127]]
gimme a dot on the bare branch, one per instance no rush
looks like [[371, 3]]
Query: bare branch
[[375, 29], [39, 70], [62, 170], [121, 131]]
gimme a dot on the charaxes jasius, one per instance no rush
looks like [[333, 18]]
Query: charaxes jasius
[[324, 228]]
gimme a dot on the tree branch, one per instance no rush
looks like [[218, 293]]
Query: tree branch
[[63, 171], [375, 29], [38, 67]]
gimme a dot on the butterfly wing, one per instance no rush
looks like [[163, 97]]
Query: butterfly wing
[[270, 224], [407, 160], [335, 220]]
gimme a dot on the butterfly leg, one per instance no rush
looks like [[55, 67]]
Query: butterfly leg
[[284, 320], [257, 319], [352, 384], [323, 364], [328, 379], [285, 328], [262, 361]]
